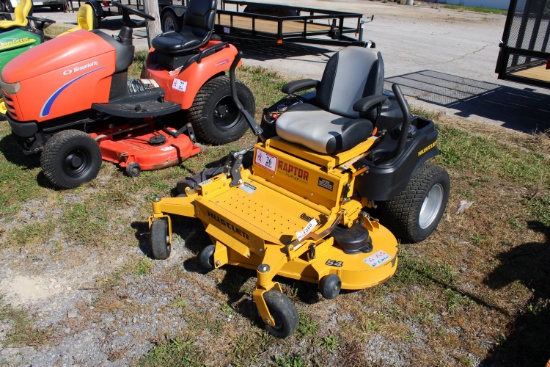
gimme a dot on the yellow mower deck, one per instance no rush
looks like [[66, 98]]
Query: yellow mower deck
[[278, 218]]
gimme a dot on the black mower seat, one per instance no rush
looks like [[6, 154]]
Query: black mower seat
[[197, 28], [346, 104]]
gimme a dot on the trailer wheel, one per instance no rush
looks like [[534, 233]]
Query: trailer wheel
[[171, 22], [415, 213], [215, 117], [8, 7], [206, 257], [160, 245], [330, 286], [283, 312], [70, 158]]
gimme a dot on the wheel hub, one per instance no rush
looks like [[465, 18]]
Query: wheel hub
[[430, 206], [74, 160]]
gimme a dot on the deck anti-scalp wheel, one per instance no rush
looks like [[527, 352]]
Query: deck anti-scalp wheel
[[215, 117], [133, 169], [330, 286], [283, 312], [415, 213], [70, 158], [160, 247]]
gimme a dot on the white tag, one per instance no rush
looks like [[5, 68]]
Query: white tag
[[226, 30], [308, 228], [179, 85], [377, 259], [266, 160]]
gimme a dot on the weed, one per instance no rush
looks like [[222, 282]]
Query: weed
[[177, 352], [32, 233], [307, 327], [289, 361], [330, 343], [143, 267], [22, 332], [180, 302]]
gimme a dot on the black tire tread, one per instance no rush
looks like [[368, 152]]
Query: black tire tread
[[206, 257], [399, 214], [278, 303], [160, 249], [196, 114], [52, 150]]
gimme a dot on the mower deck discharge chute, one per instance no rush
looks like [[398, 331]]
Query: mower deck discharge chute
[[71, 100], [303, 210]]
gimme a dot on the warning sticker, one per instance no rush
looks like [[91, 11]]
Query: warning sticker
[[265, 160]]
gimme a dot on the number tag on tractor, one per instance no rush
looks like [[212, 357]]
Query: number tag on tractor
[[266, 160], [377, 259], [308, 228], [179, 85]]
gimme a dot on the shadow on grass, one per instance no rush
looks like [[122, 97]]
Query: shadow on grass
[[11, 148], [528, 336]]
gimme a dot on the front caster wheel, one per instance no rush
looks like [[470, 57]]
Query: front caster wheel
[[160, 245], [206, 257], [330, 286], [283, 312]]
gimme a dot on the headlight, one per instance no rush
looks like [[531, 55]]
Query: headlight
[[10, 88]]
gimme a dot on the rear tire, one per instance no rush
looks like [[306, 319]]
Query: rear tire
[[415, 213], [70, 158], [215, 117], [160, 247]]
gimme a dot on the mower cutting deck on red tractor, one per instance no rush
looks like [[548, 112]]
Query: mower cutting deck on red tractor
[[71, 100]]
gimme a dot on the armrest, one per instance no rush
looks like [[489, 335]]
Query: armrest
[[299, 85], [366, 103]]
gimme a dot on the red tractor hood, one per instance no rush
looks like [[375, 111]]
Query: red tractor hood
[[55, 54]]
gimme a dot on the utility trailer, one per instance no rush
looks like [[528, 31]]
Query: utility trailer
[[524, 55], [278, 23]]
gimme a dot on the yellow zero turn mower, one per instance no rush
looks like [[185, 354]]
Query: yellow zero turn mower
[[327, 162]]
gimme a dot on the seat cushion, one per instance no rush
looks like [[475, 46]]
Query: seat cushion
[[176, 42], [322, 131]]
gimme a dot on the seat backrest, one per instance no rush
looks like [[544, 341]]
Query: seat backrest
[[85, 17], [200, 17], [21, 11], [350, 74]]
